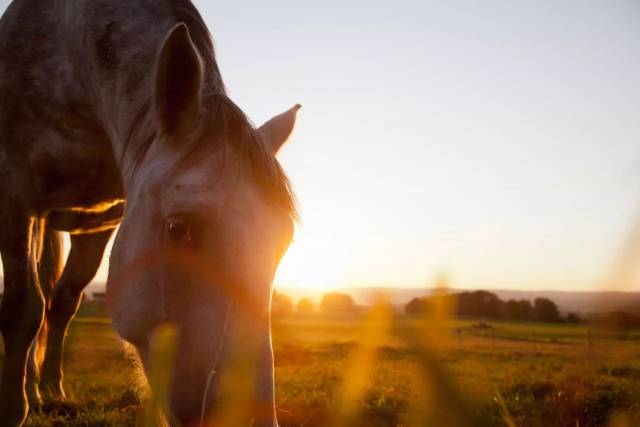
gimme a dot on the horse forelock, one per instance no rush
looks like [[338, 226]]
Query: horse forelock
[[221, 126]]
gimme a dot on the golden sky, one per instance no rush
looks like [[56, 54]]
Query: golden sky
[[496, 141]]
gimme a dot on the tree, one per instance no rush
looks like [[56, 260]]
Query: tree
[[337, 303], [280, 304], [524, 309], [545, 310], [573, 318], [621, 321], [305, 305], [415, 306], [517, 310], [511, 309], [479, 304]]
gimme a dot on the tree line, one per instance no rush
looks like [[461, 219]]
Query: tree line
[[479, 304], [334, 302], [488, 305]]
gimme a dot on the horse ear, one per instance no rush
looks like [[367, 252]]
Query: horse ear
[[276, 131], [178, 80]]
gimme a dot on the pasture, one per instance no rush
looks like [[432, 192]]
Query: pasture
[[477, 373]]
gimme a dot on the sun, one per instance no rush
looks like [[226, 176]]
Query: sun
[[312, 263]]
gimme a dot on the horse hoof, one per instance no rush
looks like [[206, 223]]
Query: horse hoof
[[34, 398], [53, 395], [60, 409]]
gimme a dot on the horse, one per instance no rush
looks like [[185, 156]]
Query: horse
[[114, 113]]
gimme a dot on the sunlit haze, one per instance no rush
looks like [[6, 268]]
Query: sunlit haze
[[496, 141]]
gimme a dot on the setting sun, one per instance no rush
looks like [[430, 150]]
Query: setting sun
[[312, 264]]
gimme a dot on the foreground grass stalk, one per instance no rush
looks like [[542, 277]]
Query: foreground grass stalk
[[375, 331], [163, 350], [440, 402], [504, 411], [235, 405]]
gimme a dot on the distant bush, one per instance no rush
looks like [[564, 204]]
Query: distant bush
[[415, 306], [92, 307], [573, 318], [620, 321], [545, 310], [479, 304], [517, 310], [280, 304], [337, 303], [305, 305], [419, 306], [481, 325]]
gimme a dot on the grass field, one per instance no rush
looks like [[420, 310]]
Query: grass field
[[494, 373]]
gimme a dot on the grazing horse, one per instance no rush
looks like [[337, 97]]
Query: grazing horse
[[114, 112]]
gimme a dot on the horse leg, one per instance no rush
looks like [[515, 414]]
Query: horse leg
[[82, 264], [22, 307], [49, 270]]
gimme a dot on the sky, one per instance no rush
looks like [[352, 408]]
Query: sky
[[496, 142]]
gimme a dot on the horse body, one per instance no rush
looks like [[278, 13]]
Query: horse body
[[48, 115], [100, 102]]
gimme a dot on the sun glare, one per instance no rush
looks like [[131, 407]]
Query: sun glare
[[312, 263]]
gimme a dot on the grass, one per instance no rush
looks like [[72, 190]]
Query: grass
[[494, 373]]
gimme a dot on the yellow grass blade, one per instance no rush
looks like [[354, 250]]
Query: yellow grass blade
[[375, 330], [163, 350]]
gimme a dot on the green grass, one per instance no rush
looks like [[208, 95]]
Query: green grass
[[99, 379], [533, 374]]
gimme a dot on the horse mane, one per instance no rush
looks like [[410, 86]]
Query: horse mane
[[222, 123]]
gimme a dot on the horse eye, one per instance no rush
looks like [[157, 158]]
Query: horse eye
[[178, 231]]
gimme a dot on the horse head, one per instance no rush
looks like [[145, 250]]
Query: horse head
[[209, 214]]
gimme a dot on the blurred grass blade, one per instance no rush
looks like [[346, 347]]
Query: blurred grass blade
[[375, 330], [441, 402], [163, 350], [237, 388], [504, 412]]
